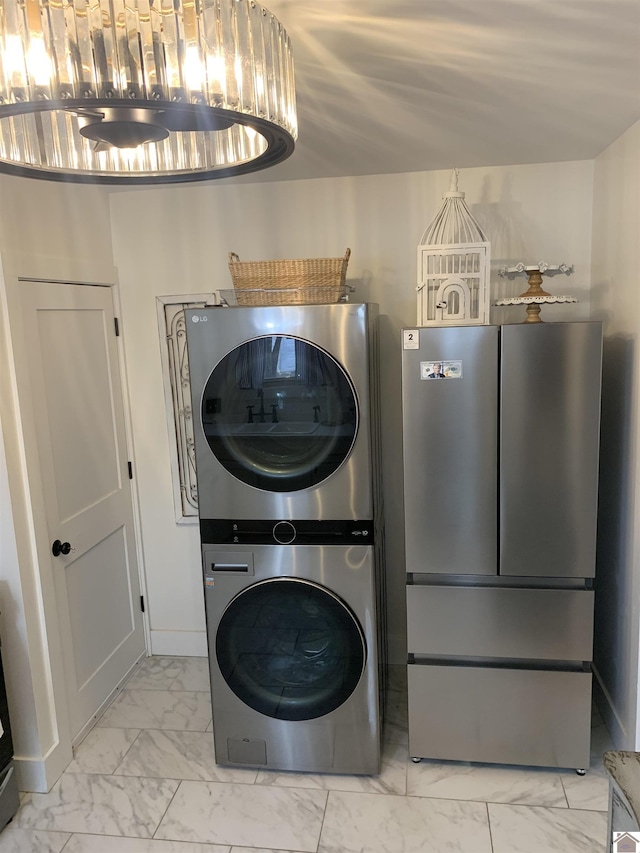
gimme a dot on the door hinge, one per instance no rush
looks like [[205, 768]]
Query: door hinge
[[129, 465], [117, 325], [142, 603]]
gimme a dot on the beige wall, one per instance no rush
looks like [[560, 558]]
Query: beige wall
[[176, 240], [616, 299], [57, 221]]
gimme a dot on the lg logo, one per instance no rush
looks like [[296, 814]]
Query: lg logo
[[202, 319]]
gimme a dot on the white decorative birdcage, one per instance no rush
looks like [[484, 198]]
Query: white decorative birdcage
[[454, 260]]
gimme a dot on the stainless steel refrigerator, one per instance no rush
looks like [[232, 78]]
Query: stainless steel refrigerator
[[500, 443]]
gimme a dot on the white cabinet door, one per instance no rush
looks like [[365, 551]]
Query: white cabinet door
[[77, 401]]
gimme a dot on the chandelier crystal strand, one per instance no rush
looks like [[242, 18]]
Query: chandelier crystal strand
[[168, 38], [259, 63], [199, 88], [149, 55], [244, 58]]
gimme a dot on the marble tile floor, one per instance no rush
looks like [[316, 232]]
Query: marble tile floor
[[144, 780]]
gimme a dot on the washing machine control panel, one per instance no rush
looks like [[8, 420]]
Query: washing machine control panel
[[284, 532]]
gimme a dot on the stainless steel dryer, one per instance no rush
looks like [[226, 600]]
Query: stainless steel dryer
[[294, 655], [281, 399]]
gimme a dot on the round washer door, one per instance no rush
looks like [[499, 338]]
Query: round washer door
[[290, 649], [279, 413]]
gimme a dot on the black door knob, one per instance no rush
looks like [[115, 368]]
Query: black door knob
[[59, 547]]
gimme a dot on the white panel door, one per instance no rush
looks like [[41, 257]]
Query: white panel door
[[77, 403]]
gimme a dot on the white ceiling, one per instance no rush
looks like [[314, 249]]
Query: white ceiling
[[414, 85]]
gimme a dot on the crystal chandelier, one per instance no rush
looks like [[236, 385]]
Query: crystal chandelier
[[143, 91]]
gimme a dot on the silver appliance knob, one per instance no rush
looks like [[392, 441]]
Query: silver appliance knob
[[284, 532]]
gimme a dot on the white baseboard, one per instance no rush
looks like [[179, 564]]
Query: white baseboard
[[39, 775], [31, 774], [179, 643]]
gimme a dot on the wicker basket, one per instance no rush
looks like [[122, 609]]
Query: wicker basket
[[306, 281]]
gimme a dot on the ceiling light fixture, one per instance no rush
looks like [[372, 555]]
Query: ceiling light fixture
[[143, 91]]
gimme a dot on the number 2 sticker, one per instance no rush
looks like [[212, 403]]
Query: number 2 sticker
[[410, 339]]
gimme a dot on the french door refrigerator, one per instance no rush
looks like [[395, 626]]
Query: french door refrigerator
[[500, 443]]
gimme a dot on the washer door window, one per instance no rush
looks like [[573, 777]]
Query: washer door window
[[279, 414], [290, 649]]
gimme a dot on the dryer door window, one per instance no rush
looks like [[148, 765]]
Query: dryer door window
[[279, 413], [290, 649]]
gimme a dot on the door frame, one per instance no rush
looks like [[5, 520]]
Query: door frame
[[31, 643]]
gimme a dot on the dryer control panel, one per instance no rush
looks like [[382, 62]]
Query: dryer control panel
[[220, 531]]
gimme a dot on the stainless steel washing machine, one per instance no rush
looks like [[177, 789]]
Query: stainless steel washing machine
[[290, 522], [281, 405], [294, 649]]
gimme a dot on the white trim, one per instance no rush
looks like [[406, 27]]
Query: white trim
[[53, 269], [50, 742], [175, 446], [135, 493], [179, 643], [39, 775]]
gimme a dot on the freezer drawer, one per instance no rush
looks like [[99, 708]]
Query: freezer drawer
[[502, 716], [538, 624]]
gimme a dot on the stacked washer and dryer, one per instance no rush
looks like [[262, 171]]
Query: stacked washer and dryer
[[287, 451]]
